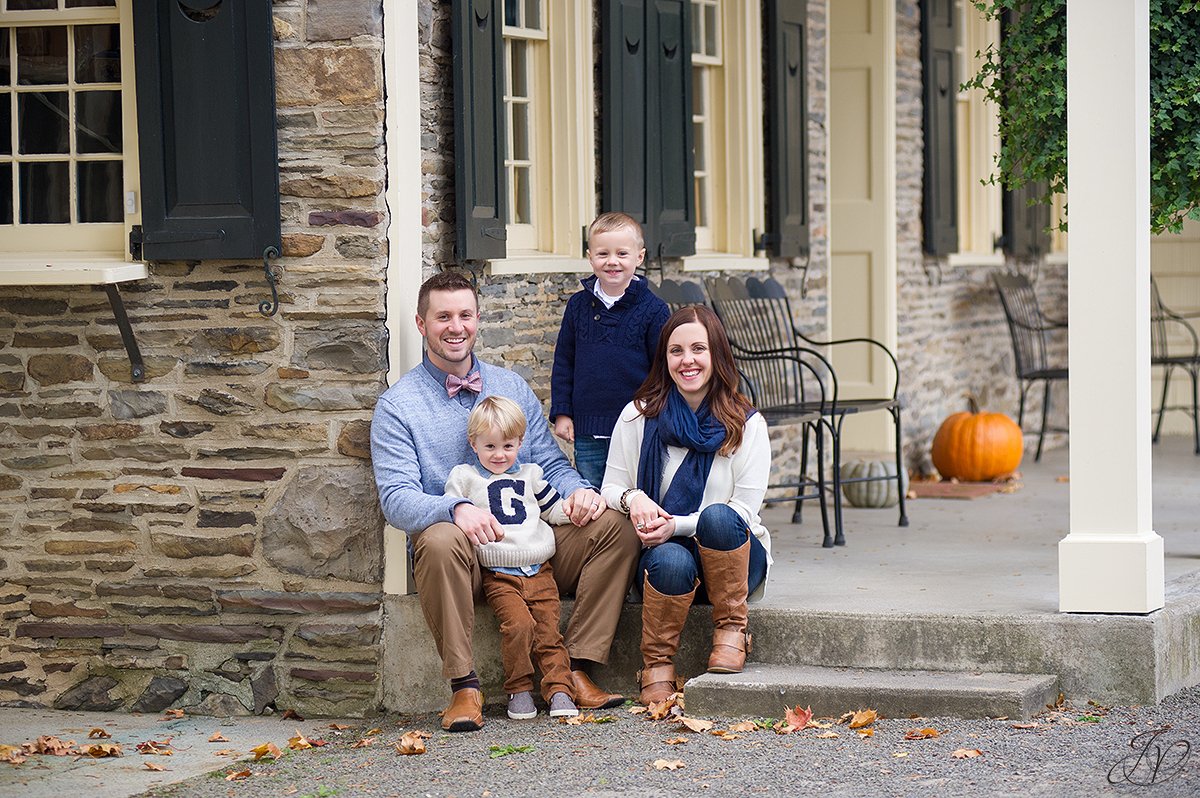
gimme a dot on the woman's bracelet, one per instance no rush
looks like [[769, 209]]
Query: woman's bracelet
[[624, 504]]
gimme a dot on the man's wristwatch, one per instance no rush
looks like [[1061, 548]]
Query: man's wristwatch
[[624, 504]]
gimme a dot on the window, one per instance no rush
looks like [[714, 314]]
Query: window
[[68, 176], [978, 144]]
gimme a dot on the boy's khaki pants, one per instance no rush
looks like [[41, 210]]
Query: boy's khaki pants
[[594, 563], [527, 608]]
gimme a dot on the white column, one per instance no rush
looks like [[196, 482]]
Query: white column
[[1111, 560], [402, 83]]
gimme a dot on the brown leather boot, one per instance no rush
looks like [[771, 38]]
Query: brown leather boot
[[662, 622], [725, 580]]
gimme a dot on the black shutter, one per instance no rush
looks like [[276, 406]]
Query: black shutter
[[205, 73], [787, 127], [646, 136], [479, 129], [1026, 226], [939, 35]]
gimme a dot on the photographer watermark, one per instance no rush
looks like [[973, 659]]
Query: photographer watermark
[[1155, 759]]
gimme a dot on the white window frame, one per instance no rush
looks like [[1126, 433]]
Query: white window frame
[[566, 190], [738, 191], [79, 253]]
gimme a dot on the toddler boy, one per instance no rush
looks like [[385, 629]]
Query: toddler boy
[[517, 580]]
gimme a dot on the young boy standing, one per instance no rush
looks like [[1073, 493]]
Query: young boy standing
[[517, 579], [605, 344]]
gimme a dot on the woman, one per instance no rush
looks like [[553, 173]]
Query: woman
[[689, 462]]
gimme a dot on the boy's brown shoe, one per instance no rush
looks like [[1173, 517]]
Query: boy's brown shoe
[[465, 712], [589, 696]]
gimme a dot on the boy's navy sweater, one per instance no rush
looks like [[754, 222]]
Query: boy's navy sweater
[[603, 355]]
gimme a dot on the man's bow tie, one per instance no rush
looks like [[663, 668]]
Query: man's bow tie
[[473, 382]]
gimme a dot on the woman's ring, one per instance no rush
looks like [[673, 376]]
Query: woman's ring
[[641, 526]]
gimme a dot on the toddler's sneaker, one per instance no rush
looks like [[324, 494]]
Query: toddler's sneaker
[[520, 706], [561, 706]]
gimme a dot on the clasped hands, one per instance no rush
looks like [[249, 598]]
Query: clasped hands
[[653, 524], [480, 527]]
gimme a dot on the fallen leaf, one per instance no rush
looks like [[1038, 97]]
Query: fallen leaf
[[12, 754], [1058, 703], [864, 733], [668, 764], [744, 726], [812, 724], [725, 735], [291, 714], [966, 753], [497, 751], [1025, 725], [798, 718], [921, 734], [315, 743], [51, 745], [299, 742], [412, 742], [339, 726], [98, 734], [845, 717], [225, 752], [1062, 479], [862, 718], [364, 742], [675, 741], [172, 714], [155, 748], [217, 737], [828, 735], [695, 724], [660, 709], [153, 766], [100, 750], [238, 775], [266, 749], [899, 754], [637, 709], [373, 732]]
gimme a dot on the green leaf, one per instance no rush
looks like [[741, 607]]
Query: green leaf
[[496, 751]]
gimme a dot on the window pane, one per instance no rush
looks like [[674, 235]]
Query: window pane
[[100, 186], [701, 146], [697, 37], [519, 68], [533, 14], [31, 5], [511, 12], [710, 30], [98, 121], [45, 188], [701, 203], [97, 54], [698, 89], [42, 122], [6, 194], [520, 132], [41, 55], [521, 195], [5, 72], [90, 3], [5, 123]]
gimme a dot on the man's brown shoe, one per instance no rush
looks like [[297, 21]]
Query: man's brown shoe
[[589, 696], [465, 712]]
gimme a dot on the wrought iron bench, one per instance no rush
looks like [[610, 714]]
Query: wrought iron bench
[[1174, 345]]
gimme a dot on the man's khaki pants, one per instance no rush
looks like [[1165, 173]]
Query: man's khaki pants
[[594, 563]]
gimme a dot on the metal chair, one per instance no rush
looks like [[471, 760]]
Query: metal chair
[[1027, 327], [679, 294], [1185, 355]]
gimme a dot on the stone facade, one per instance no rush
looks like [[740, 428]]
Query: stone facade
[[210, 538]]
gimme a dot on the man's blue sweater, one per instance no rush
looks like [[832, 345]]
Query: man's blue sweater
[[603, 355], [418, 434]]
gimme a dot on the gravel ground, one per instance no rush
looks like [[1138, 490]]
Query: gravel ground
[[1067, 753]]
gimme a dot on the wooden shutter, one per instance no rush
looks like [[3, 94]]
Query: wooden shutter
[[1026, 226], [205, 74], [787, 127], [939, 35], [646, 137], [479, 129]]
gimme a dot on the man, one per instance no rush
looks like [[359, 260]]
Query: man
[[418, 434]]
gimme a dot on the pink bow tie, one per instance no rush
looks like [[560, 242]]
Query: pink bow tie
[[473, 382]]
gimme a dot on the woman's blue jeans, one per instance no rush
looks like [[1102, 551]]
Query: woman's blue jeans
[[591, 454], [674, 566]]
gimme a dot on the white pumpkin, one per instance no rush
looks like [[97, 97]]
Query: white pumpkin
[[872, 494]]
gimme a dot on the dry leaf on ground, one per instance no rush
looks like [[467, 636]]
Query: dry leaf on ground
[[299, 742], [675, 740], [921, 734], [266, 749], [100, 750], [291, 714], [637, 710], [412, 742], [364, 742], [744, 726], [1025, 725], [238, 775], [864, 733], [828, 735], [50, 745], [725, 735], [217, 737], [373, 732], [899, 754], [155, 748], [863, 718], [696, 724], [225, 752], [98, 734], [798, 718], [668, 764], [966, 753], [153, 766], [12, 754], [660, 709], [339, 726], [172, 714]]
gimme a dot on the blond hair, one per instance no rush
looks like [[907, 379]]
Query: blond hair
[[615, 220], [496, 413]]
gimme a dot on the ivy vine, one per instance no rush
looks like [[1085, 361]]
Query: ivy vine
[[1027, 80]]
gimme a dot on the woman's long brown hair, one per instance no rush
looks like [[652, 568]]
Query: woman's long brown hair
[[725, 401]]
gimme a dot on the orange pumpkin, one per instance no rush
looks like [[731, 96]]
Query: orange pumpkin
[[976, 447]]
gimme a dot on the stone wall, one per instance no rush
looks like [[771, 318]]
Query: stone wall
[[210, 538]]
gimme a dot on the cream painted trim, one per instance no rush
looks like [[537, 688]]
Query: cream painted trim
[[724, 262], [989, 259], [402, 81], [536, 263], [55, 269]]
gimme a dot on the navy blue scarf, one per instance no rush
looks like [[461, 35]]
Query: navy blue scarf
[[700, 432]]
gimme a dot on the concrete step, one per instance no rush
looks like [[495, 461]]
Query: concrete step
[[765, 690]]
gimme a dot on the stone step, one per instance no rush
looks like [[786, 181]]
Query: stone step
[[765, 690]]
